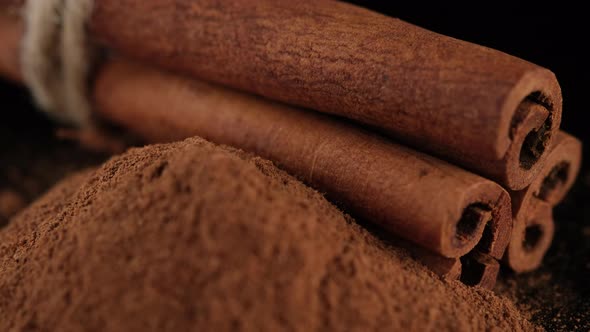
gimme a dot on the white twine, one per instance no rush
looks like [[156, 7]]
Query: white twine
[[57, 57]]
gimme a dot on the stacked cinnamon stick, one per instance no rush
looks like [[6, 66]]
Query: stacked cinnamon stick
[[453, 146]]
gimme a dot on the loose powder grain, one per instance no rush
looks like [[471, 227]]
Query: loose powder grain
[[192, 236]]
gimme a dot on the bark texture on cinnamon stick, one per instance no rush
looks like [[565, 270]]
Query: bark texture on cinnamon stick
[[481, 108], [428, 201], [474, 269], [446, 268], [399, 187], [557, 175], [533, 222]]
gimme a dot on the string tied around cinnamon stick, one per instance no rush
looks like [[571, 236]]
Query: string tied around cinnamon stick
[[57, 57]]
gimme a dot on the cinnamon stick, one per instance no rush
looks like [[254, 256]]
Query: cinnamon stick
[[557, 175], [480, 270], [378, 180], [531, 207], [446, 268], [388, 183], [474, 269], [531, 238], [428, 201], [11, 32], [480, 108]]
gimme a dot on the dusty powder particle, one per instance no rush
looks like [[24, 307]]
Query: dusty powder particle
[[191, 236]]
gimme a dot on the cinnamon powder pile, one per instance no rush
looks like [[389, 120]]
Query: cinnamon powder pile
[[187, 235]]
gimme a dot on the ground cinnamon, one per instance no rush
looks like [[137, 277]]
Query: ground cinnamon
[[483, 109], [191, 236], [473, 269]]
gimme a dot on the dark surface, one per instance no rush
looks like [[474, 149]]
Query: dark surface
[[32, 159], [558, 294]]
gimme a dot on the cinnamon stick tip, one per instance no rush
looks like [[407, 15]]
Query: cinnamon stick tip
[[532, 116], [485, 221], [531, 240]]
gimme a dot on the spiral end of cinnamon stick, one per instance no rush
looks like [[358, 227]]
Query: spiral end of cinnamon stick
[[531, 240], [535, 143], [480, 270], [532, 131], [556, 177], [560, 171], [535, 105], [474, 217]]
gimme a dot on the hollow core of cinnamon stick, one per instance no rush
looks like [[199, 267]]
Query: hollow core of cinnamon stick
[[556, 177], [480, 108], [531, 239], [531, 207]]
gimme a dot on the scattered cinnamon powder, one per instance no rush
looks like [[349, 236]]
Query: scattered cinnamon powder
[[186, 235]]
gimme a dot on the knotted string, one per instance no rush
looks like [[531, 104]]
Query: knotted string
[[57, 58]]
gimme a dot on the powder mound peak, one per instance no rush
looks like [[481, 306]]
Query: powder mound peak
[[193, 236]]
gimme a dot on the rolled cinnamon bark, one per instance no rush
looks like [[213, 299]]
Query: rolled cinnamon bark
[[213, 111], [446, 268], [480, 108], [480, 270], [557, 175], [10, 36], [533, 222], [473, 269], [531, 238], [416, 196]]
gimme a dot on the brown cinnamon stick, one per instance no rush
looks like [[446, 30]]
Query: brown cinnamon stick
[[473, 269], [11, 32], [480, 270], [398, 187], [557, 175], [482, 109], [531, 239], [421, 198], [531, 207]]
